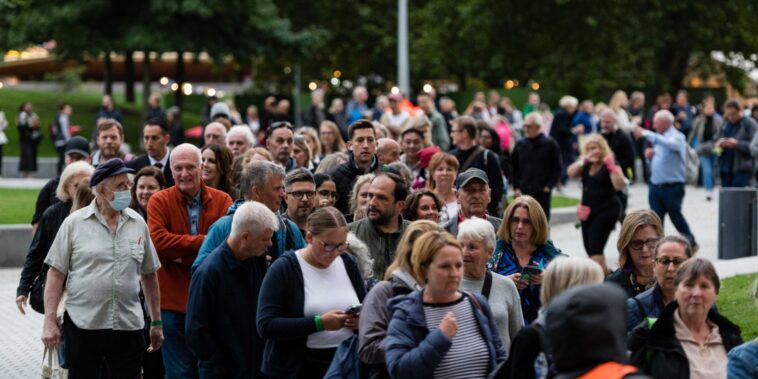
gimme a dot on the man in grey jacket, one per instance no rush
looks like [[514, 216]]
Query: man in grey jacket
[[473, 196], [736, 161]]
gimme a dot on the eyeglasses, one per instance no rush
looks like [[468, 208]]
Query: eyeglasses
[[665, 262], [280, 124], [327, 193], [517, 220], [638, 244], [331, 247], [300, 194]]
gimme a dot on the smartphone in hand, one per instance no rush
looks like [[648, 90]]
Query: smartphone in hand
[[353, 309], [528, 271]]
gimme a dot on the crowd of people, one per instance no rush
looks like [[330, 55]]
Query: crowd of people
[[381, 242]]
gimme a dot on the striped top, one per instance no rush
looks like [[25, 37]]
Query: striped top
[[469, 356]]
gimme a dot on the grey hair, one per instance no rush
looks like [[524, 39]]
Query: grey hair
[[359, 249], [216, 124], [535, 117], [256, 174], [664, 114], [478, 229], [241, 129], [568, 101], [72, 170], [253, 217], [330, 162]]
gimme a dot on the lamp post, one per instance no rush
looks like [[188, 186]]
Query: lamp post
[[403, 77]]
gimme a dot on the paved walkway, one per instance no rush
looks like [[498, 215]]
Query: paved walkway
[[21, 348]]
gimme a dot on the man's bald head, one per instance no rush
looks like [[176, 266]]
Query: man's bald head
[[185, 167], [215, 133], [388, 150]]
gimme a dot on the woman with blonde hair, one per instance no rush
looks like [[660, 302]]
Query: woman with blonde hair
[[523, 251], [301, 151], [441, 175], [331, 139], [398, 280], [359, 196], [35, 270], [439, 331], [619, 104], [311, 138], [527, 357], [306, 304], [602, 178], [640, 232]]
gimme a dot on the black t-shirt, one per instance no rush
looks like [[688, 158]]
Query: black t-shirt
[[597, 190]]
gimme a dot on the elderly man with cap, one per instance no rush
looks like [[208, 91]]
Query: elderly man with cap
[[473, 196], [77, 149], [179, 218], [104, 252]]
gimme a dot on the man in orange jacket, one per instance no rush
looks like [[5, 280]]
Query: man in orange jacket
[[179, 218]]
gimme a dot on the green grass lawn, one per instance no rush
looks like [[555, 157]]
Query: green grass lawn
[[17, 206], [85, 106], [736, 302], [557, 201]]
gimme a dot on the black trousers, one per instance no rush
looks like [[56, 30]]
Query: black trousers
[[103, 353], [543, 198]]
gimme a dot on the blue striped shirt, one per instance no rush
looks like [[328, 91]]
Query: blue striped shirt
[[669, 163]]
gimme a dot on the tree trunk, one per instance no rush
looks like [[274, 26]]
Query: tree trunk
[[129, 76], [145, 82], [107, 74], [179, 94]]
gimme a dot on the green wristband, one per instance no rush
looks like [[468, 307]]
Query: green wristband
[[319, 325], [156, 323]]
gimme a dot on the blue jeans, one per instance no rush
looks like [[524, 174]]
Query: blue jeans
[[178, 360], [706, 164], [740, 179], [667, 198]]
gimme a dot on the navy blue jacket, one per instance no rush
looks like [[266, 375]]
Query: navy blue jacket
[[282, 321], [644, 305], [413, 351], [220, 325]]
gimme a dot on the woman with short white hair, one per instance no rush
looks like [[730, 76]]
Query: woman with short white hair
[[478, 239]]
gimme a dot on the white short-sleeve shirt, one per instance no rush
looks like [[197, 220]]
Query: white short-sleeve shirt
[[103, 268]]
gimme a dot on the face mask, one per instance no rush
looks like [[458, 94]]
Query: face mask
[[121, 200]]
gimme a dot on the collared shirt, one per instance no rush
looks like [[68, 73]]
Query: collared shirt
[[193, 212], [103, 268], [708, 360], [163, 161], [669, 156]]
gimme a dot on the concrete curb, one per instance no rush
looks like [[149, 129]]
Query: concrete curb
[[15, 239]]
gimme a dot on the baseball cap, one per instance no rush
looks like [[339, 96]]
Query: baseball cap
[[469, 175], [77, 145], [108, 169]]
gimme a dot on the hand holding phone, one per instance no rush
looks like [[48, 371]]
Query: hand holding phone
[[353, 309]]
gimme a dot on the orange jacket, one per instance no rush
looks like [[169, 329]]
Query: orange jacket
[[169, 229]]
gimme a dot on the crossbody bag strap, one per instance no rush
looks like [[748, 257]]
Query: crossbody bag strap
[[487, 284]]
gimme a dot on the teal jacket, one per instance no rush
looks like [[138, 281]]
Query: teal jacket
[[223, 227]]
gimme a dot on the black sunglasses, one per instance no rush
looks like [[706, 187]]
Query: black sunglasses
[[279, 124]]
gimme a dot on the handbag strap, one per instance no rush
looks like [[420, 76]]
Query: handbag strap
[[487, 287], [467, 163]]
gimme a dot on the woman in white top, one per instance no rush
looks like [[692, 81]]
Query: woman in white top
[[442, 171], [305, 299]]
